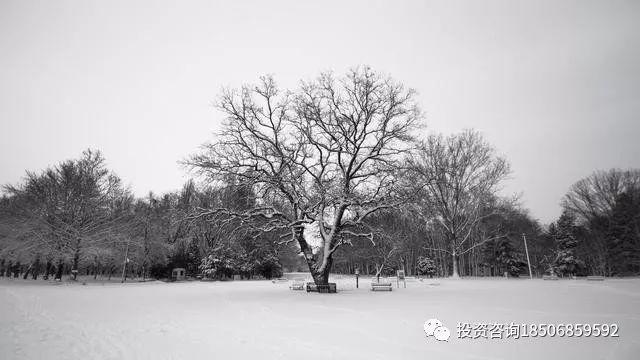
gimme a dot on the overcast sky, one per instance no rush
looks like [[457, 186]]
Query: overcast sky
[[554, 85]]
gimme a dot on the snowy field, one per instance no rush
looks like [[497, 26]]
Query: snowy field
[[263, 320]]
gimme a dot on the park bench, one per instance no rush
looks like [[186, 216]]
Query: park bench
[[297, 285], [329, 288], [549, 277], [386, 286], [595, 278]]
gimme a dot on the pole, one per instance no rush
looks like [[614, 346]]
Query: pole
[[124, 265], [526, 249]]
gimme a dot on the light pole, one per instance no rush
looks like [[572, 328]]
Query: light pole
[[124, 265], [526, 250]]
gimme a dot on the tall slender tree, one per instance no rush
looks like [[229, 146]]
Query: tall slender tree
[[623, 236], [460, 176], [564, 233]]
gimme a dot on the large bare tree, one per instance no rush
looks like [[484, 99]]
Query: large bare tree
[[320, 159], [596, 195], [460, 176]]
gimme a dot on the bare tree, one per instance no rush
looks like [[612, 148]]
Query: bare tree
[[592, 200], [460, 176], [595, 196], [71, 207], [325, 156]]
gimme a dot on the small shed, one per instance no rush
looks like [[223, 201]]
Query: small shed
[[178, 274]]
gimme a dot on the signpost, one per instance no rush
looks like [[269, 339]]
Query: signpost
[[357, 274]]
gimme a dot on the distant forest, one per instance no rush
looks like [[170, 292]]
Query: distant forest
[[328, 178]]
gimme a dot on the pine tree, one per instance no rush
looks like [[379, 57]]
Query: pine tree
[[508, 259], [426, 266], [566, 262], [193, 256], [269, 266], [623, 237]]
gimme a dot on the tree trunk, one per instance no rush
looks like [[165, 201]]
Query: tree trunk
[[319, 273], [320, 277], [47, 270], [378, 272], [36, 269], [26, 273], [76, 259], [59, 270], [96, 267], [454, 258]]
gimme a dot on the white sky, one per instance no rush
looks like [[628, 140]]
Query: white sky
[[553, 85]]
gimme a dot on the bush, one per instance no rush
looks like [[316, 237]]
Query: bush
[[426, 266]]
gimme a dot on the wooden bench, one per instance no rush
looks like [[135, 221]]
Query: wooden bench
[[329, 288], [595, 278], [375, 286], [549, 277]]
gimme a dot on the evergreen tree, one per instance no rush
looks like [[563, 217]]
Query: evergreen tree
[[565, 262], [222, 262], [193, 257], [507, 258], [426, 266], [269, 266], [623, 237]]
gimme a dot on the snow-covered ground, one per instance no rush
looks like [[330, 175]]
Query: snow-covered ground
[[263, 320]]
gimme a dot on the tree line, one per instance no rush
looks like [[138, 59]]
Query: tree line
[[76, 217], [328, 177]]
